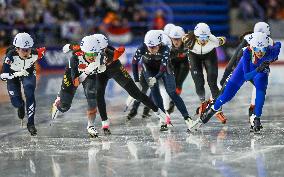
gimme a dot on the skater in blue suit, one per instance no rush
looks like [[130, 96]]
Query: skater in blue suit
[[254, 65]]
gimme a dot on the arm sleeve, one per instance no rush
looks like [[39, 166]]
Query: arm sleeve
[[6, 68], [135, 61], [163, 66], [275, 50], [236, 56], [248, 75], [74, 68], [215, 41]]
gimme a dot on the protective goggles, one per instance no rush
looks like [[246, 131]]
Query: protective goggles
[[25, 50], [94, 54], [205, 38], [260, 49], [153, 47]]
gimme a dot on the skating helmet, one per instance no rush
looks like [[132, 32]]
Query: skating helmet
[[176, 32], [23, 40], [262, 27], [102, 39], [258, 40], [167, 41], [168, 28], [153, 38], [201, 30], [90, 44]]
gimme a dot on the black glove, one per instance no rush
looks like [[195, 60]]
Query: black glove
[[262, 66]]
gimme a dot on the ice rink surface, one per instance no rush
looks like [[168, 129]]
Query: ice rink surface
[[136, 147]]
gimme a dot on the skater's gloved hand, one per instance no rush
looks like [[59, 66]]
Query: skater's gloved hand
[[5, 76], [101, 68], [138, 85], [66, 48], [263, 66], [152, 81], [40, 52], [76, 82], [21, 73], [91, 67]]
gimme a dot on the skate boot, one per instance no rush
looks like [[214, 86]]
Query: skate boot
[[189, 123], [146, 112], [105, 127], [206, 116], [171, 107], [251, 121], [251, 110], [194, 126], [163, 118], [257, 125], [32, 129], [92, 131], [201, 109], [221, 117], [132, 113], [54, 109], [21, 112]]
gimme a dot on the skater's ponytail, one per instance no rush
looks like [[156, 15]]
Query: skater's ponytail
[[189, 40]]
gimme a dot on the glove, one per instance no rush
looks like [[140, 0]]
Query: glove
[[76, 82], [118, 52], [138, 85], [262, 66], [21, 73], [152, 81], [66, 48], [101, 69], [5, 76], [91, 67], [40, 52]]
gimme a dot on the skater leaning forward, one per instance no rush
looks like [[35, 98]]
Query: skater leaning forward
[[202, 46], [154, 56], [254, 65], [82, 69], [19, 69]]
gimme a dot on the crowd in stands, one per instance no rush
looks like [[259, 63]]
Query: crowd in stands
[[65, 20], [58, 21], [260, 9]]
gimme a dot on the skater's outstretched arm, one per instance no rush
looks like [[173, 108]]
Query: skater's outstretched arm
[[135, 61]]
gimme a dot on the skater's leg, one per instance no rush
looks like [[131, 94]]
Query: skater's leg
[[165, 95], [90, 92], [29, 85], [102, 80], [14, 91], [211, 66], [136, 104], [170, 86], [180, 76], [261, 81], [197, 76]]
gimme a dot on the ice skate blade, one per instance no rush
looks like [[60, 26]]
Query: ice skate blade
[[164, 128], [106, 131], [93, 136]]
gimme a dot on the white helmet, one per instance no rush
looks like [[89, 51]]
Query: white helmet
[[167, 41], [153, 38], [262, 27], [258, 39], [202, 29], [90, 44], [23, 40], [102, 39], [176, 32], [168, 28]]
